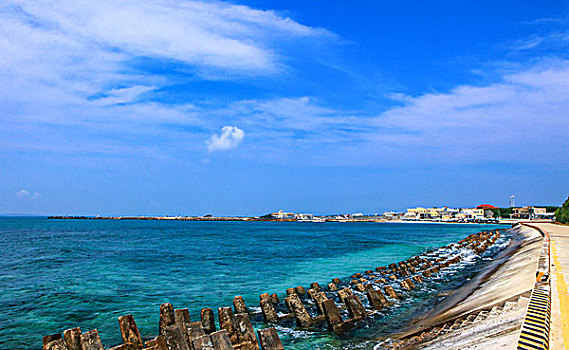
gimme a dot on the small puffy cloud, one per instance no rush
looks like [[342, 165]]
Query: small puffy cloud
[[230, 137], [23, 193]]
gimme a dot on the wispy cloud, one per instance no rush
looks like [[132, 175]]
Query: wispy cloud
[[74, 67], [70, 68], [230, 137], [66, 54], [523, 117]]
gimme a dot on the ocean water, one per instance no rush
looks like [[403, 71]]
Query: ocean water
[[59, 274]]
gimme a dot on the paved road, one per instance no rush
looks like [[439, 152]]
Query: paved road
[[559, 238]]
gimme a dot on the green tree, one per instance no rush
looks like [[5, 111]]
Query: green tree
[[562, 214]]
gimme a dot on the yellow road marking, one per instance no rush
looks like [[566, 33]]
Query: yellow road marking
[[563, 297]]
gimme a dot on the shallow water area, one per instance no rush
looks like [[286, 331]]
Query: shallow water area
[[58, 274]]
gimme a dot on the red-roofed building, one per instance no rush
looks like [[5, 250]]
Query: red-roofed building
[[486, 206]]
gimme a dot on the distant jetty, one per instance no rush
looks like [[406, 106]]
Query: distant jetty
[[183, 218]]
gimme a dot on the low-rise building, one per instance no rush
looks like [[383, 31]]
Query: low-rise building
[[302, 216], [531, 213], [473, 214], [281, 214]]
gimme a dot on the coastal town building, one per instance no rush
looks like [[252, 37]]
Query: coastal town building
[[475, 214], [281, 214], [301, 216], [531, 213]]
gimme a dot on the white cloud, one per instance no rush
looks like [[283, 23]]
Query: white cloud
[[23, 193], [124, 95], [81, 68], [105, 34], [61, 55], [230, 137], [524, 117]]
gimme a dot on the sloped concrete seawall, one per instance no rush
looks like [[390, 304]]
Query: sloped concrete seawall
[[489, 310]]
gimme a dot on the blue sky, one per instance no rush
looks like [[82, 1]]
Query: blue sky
[[242, 108]]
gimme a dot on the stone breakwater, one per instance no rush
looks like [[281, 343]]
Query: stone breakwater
[[505, 306], [340, 305]]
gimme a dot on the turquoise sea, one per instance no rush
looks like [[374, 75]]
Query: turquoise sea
[[58, 274]]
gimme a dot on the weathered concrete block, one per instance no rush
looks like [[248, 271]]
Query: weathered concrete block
[[246, 333], [175, 338], [418, 279], [154, 347], [410, 283], [355, 307], [390, 292], [239, 305], [203, 343], [195, 330], [332, 286], [166, 317], [182, 317], [57, 344], [268, 310], [336, 281], [49, 338], [208, 321], [405, 285], [315, 285], [227, 322], [275, 298], [220, 340], [311, 292], [128, 346], [344, 293], [376, 299], [393, 277], [333, 317], [158, 342], [300, 290], [73, 338], [269, 339], [129, 331], [426, 273], [290, 291], [302, 317], [320, 298], [91, 341], [264, 296], [360, 287]]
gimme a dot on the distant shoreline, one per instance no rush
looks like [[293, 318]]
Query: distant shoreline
[[239, 218]]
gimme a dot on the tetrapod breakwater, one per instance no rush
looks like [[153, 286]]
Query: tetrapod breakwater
[[339, 306]]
